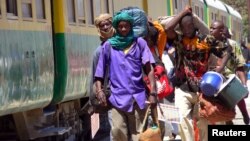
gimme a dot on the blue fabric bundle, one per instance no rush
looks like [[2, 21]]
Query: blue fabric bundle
[[140, 20]]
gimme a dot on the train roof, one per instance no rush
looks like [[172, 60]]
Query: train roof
[[216, 4], [233, 11]]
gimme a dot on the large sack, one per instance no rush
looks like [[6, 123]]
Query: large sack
[[140, 20], [213, 110], [151, 128], [162, 37], [198, 23]]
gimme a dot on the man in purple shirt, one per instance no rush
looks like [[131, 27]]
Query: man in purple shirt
[[127, 57]]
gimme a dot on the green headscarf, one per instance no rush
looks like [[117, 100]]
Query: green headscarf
[[118, 41]]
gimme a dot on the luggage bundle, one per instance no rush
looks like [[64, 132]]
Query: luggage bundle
[[140, 20]]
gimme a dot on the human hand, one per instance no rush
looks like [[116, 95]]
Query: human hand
[[101, 98], [188, 9]]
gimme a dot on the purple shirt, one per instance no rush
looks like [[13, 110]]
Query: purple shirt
[[126, 79]]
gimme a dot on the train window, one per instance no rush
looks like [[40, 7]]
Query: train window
[[196, 9], [71, 11], [234, 25], [81, 11], [11, 6], [105, 6], [175, 4], [0, 10], [223, 19], [97, 7], [27, 8], [40, 9], [202, 15], [89, 6]]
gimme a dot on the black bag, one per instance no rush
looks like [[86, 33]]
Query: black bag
[[106, 87]]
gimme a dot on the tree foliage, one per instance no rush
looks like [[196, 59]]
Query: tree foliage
[[241, 7]]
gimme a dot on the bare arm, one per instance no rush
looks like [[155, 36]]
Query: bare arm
[[150, 73], [225, 58], [241, 74], [99, 92]]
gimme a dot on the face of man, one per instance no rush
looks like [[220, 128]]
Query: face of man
[[105, 25], [216, 29], [124, 28], [187, 27]]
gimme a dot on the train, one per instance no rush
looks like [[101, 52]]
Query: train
[[46, 52]]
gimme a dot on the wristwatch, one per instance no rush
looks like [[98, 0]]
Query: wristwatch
[[153, 94]]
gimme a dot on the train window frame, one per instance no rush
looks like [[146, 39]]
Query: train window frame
[[105, 6], [1, 9], [73, 12], [224, 19], [215, 16], [202, 13], [43, 10], [90, 13], [30, 8], [11, 9], [175, 4], [212, 16], [197, 10], [97, 7], [81, 19]]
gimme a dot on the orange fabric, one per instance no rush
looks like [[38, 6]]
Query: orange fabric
[[162, 37], [193, 48], [194, 42], [196, 131]]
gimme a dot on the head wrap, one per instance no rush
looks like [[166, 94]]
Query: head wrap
[[118, 41], [104, 35]]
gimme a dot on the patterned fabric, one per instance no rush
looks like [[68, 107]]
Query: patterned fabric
[[222, 48], [219, 51], [236, 60], [192, 59]]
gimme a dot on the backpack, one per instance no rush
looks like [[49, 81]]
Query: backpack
[[140, 20]]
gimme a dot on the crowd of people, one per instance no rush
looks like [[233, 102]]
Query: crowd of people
[[182, 47]]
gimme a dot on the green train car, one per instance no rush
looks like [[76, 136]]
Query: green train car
[[46, 49]]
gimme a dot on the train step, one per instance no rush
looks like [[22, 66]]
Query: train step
[[52, 131]]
